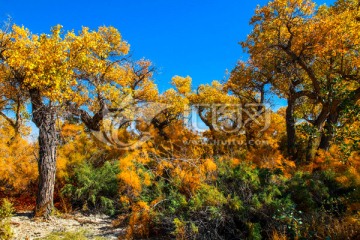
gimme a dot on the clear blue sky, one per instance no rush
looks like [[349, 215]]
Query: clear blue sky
[[190, 37], [198, 38]]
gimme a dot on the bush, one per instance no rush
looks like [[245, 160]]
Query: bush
[[235, 200], [6, 212], [255, 200], [93, 188], [77, 235], [229, 202], [325, 226], [320, 190]]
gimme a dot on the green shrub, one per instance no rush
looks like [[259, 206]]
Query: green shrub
[[239, 204], [6, 212], [255, 196], [94, 188], [247, 202], [255, 231], [319, 190], [76, 235]]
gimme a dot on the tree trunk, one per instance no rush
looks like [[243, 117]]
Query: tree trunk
[[290, 128], [311, 147], [45, 118], [314, 138], [47, 168], [329, 131]]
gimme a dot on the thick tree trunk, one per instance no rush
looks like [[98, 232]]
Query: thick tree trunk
[[314, 138], [47, 168], [311, 147], [329, 131], [290, 129], [44, 118], [249, 137]]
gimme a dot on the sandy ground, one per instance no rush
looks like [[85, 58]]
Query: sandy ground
[[24, 227]]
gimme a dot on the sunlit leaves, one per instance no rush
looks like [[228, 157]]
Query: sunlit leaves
[[18, 168]]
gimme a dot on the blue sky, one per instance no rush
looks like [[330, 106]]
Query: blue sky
[[193, 37], [198, 38], [190, 37]]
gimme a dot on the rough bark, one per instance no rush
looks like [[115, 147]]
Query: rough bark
[[314, 138], [290, 128], [311, 147], [45, 119], [329, 131], [333, 117]]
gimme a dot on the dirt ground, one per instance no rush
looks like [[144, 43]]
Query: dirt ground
[[24, 227]]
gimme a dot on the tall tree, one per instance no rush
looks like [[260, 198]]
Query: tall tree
[[322, 46], [84, 74]]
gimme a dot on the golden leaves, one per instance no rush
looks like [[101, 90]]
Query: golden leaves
[[132, 176], [67, 66], [18, 164], [183, 85], [131, 179], [212, 94]]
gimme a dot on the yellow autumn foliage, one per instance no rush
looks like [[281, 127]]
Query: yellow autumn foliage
[[18, 161]]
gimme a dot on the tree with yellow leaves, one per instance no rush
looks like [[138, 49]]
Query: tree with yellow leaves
[[314, 53], [12, 99], [84, 74]]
